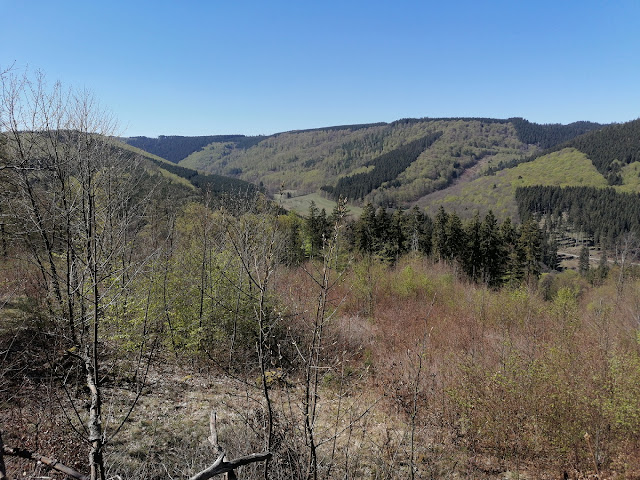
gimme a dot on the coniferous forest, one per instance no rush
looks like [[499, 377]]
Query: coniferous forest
[[156, 321]]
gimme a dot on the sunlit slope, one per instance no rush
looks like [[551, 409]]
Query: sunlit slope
[[303, 162], [567, 167], [154, 165]]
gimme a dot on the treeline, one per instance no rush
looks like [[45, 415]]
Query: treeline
[[386, 167], [487, 252], [550, 138], [549, 135], [410, 121], [338, 128], [175, 148], [601, 213], [611, 148], [211, 183]]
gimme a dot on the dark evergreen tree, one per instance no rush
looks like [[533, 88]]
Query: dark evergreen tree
[[492, 250], [365, 230], [529, 250], [316, 229], [512, 264], [456, 238], [440, 240], [472, 256], [395, 243]]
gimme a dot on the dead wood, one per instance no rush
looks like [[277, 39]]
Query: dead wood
[[221, 465], [56, 465]]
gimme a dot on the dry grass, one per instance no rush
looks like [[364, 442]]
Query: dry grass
[[492, 384]]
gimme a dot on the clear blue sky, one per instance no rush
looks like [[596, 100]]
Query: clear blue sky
[[259, 67]]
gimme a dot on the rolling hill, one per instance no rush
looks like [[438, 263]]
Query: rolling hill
[[567, 167], [187, 177], [390, 164]]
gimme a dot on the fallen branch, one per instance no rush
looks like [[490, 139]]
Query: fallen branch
[[56, 465], [220, 466]]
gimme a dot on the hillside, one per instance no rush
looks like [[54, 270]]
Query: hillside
[[368, 162], [186, 177], [305, 161], [567, 185], [568, 167], [174, 147], [140, 322]]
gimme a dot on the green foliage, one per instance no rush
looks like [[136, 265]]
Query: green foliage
[[611, 148], [386, 168], [410, 283], [549, 135], [304, 161], [497, 192], [175, 148], [601, 213], [621, 405]]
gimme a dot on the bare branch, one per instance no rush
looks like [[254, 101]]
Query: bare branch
[[219, 466], [22, 453]]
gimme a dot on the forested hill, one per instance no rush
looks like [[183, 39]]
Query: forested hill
[[196, 182], [550, 135], [611, 148], [174, 148], [377, 162]]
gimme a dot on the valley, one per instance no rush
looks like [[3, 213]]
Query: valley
[[426, 298]]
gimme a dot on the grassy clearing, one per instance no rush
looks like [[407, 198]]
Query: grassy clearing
[[568, 167], [630, 178], [301, 204]]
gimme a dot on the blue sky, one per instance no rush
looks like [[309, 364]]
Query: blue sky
[[260, 67]]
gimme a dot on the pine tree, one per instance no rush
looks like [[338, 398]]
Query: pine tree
[[316, 228], [511, 264], [491, 250], [456, 238], [529, 246], [472, 256], [394, 246], [440, 238], [365, 230]]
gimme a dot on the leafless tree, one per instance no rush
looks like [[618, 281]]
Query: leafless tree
[[74, 201]]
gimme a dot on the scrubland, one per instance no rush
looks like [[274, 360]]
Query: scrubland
[[420, 374]]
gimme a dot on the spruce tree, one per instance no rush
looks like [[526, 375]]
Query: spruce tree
[[440, 239], [529, 246], [491, 250], [472, 256]]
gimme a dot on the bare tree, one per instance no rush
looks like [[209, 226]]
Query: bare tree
[[326, 277], [258, 244], [76, 204]]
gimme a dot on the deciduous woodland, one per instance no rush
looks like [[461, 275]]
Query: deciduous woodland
[[391, 346]]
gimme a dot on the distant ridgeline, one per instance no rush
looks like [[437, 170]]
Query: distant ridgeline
[[175, 148], [549, 137], [387, 167], [216, 184], [609, 148], [601, 213]]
